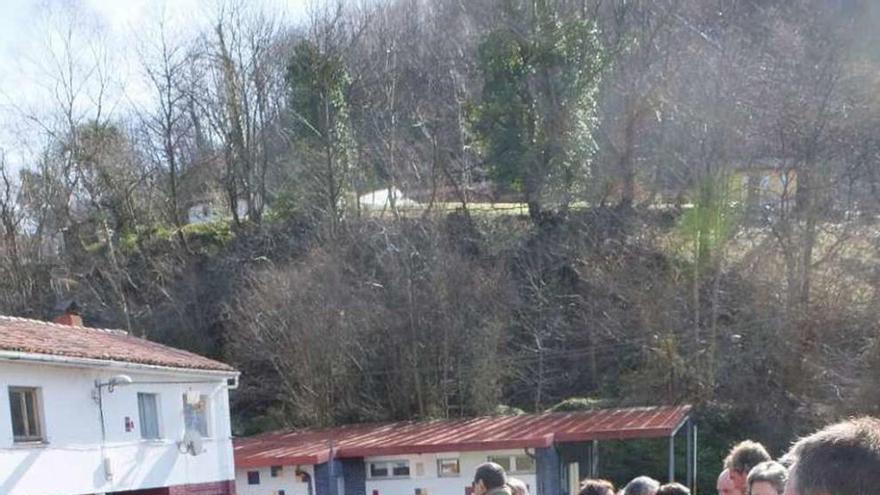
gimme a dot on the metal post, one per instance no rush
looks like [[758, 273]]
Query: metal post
[[694, 486], [594, 459], [671, 458], [689, 431]]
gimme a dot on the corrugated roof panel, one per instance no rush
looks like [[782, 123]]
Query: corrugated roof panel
[[312, 446]]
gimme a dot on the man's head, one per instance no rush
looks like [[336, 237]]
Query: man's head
[[841, 459], [767, 478], [596, 487], [673, 489], [487, 477], [725, 485], [643, 485], [742, 458]]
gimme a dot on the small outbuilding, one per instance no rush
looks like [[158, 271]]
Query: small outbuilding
[[550, 452]]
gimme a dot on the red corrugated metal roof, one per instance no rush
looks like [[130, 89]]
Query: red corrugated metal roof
[[40, 337], [313, 446]]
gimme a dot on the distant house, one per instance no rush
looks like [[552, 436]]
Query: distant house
[[381, 199], [764, 186], [209, 210], [551, 453], [87, 410]]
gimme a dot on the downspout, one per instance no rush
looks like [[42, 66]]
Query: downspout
[[105, 461]]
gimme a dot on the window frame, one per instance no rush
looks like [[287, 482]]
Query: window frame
[[276, 471], [497, 457], [440, 462], [250, 479], [207, 413], [511, 462], [157, 404], [516, 468], [389, 466], [39, 417]]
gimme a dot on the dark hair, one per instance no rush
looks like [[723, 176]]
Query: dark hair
[[492, 475], [746, 455], [643, 485], [770, 471], [843, 459], [673, 489], [596, 487]]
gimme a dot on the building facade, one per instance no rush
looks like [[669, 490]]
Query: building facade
[[447, 473], [88, 411], [550, 453]]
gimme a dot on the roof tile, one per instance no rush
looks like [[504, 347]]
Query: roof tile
[[40, 337]]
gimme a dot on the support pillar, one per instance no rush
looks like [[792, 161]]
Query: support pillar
[[327, 477], [671, 458], [694, 459], [594, 459], [354, 472], [549, 471], [689, 431]]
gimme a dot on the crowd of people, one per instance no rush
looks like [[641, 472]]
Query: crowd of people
[[841, 459]]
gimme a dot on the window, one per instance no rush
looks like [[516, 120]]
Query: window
[[400, 468], [27, 418], [195, 414], [148, 412], [389, 469], [378, 470], [501, 460], [281, 492], [275, 471], [524, 464], [253, 477], [448, 467], [518, 464]]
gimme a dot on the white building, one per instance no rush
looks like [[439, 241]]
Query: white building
[[381, 199], [414, 474], [89, 411], [208, 210], [550, 453]]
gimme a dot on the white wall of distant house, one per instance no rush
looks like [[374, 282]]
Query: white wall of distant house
[[285, 480], [423, 476], [71, 460], [427, 479]]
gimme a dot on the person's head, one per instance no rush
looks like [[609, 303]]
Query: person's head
[[487, 477], [643, 485], [596, 487], [725, 485], [742, 458], [517, 486], [673, 489], [767, 478], [841, 459]]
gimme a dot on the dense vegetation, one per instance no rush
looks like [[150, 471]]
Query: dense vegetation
[[698, 180]]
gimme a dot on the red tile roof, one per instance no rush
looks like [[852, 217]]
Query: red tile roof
[[313, 446], [40, 337]]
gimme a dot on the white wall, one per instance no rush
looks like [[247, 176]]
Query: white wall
[[468, 462], [269, 486], [71, 460], [428, 481]]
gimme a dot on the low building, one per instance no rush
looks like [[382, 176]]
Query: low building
[[550, 452], [381, 199], [87, 410]]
